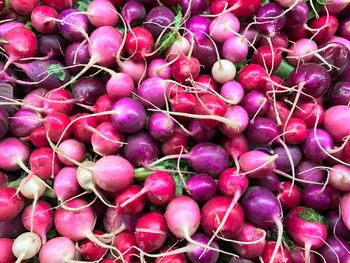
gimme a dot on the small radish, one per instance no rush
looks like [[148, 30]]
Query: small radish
[[257, 164], [57, 250], [24, 7], [201, 187], [89, 250], [185, 68], [40, 17], [282, 255], [26, 246], [13, 153], [125, 242], [66, 184], [289, 195], [11, 204], [339, 177], [44, 163], [223, 71], [102, 13], [6, 254], [71, 149], [137, 203], [345, 212]]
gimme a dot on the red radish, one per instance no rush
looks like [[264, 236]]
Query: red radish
[[57, 101], [44, 163], [38, 219], [71, 149], [84, 126], [26, 246], [282, 256], [20, 43], [11, 204], [326, 27], [56, 126], [185, 68], [107, 140], [102, 13], [60, 5], [66, 184], [175, 144], [295, 131], [41, 19], [24, 7], [151, 231], [178, 258], [289, 195], [252, 77], [57, 250], [89, 250], [224, 26], [113, 173], [130, 193], [279, 112], [183, 102], [268, 57], [13, 153], [6, 250], [139, 43], [125, 243], [210, 105], [253, 241]]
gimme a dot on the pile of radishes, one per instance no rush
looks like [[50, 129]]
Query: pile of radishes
[[174, 131]]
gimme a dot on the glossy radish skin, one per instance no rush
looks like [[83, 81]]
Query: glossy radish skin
[[26, 245], [41, 21], [282, 255], [102, 13], [109, 141], [13, 151], [198, 254], [44, 163], [184, 68], [289, 196], [10, 204], [71, 149], [65, 184], [336, 122], [201, 187], [344, 204], [339, 177], [90, 250], [139, 43]]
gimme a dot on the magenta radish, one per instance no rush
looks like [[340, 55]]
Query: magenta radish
[[57, 250], [38, 137], [89, 250], [336, 249], [76, 54], [300, 51], [318, 142], [84, 126], [66, 184], [253, 241], [185, 68], [107, 140], [282, 255], [24, 122], [44, 163], [289, 195], [161, 126], [6, 250], [139, 43], [239, 118], [151, 231], [201, 187], [120, 85], [113, 173], [152, 92], [11, 204], [224, 26], [125, 242], [345, 212], [134, 203], [159, 68], [199, 254], [58, 101], [73, 24], [307, 228], [13, 153], [26, 246], [337, 125], [257, 164], [71, 149], [41, 19], [38, 219], [6, 27], [102, 13], [236, 146]]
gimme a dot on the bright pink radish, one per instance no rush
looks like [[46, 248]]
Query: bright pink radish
[[131, 207], [55, 125], [159, 68], [89, 250], [289, 196], [71, 149], [41, 19], [238, 118], [13, 153], [44, 163], [24, 122], [345, 211], [65, 184], [120, 85], [255, 238], [151, 231], [38, 219], [57, 250], [337, 122], [11, 204], [339, 177], [113, 173], [107, 140], [152, 92], [296, 131], [183, 216], [124, 242], [58, 101], [257, 164], [26, 246], [24, 7], [6, 254], [282, 256], [221, 27], [300, 51], [102, 13]]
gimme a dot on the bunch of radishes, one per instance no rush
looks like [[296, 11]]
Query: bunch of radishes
[[174, 131]]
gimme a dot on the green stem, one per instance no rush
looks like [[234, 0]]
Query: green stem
[[284, 70]]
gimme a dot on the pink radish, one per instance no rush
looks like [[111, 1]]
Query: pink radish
[[66, 184], [345, 211], [57, 250], [11, 204], [13, 153], [6, 254]]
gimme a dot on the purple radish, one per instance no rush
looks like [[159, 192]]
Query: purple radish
[[316, 140], [107, 140], [24, 122], [314, 196], [270, 181], [266, 23], [201, 187], [199, 255], [152, 92], [282, 162], [199, 133], [161, 126], [52, 46], [305, 171], [76, 54], [336, 250], [6, 27], [337, 226], [157, 19], [11, 228], [72, 25], [133, 12]]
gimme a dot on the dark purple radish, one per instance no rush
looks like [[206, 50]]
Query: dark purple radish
[[266, 21], [161, 126], [43, 72], [298, 16], [73, 26], [201, 187], [270, 182], [157, 19], [262, 131], [199, 133], [337, 226], [11, 204], [57, 250], [11, 228], [13, 154], [307, 228], [141, 149], [106, 140], [199, 254], [159, 188], [38, 219], [318, 142], [255, 103], [65, 184], [262, 208], [129, 116], [6, 27], [314, 196], [257, 164], [151, 231], [340, 94], [102, 13], [87, 90], [193, 7], [283, 163], [133, 12], [76, 54], [24, 122], [307, 171], [52, 46], [336, 250]]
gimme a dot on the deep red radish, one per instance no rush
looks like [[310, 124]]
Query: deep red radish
[[326, 27], [295, 131], [6, 250], [307, 228], [213, 213], [257, 164], [58, 101], [113, 173], [252, 77], [125, 242], [345, 212], [206, 85], [56, 126], [300, 52], [71, 149], [44, 163], [282, 256], [102, 13], [253, 241], [245, 8], [57, 250], [210, 105], [38, 219], [201, 187], [136, 70], [24, 122], [223, 71], [24, 7], [60, 5], [133, 12], [310, 112], [178, 258], [107, 140], [84, 126], [20, 43], [185, 68], [65, 184], [26, 246], [337, 122], [42, 21], [139, 43], [339, 177], [13, 153], [11, 204], [278, 112], [89, 250], [151, 231], [267, 57], [134, 203], [175, 144], [159, 188], [120, 85], [183, 102], [289, 195], [183, 216]]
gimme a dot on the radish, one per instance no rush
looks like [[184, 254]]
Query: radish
[[11, 204], [89, 250], [307, 228], [345, 201], [223, 71], [13, 153], [337, 125], [71, 149], [138, 43], [38, 218], [102, 13], [6, 250], [133, 12], [26, 246], [87, 90], [151, 92], [24, 122], [125, 242], [239, 118], [210, 105], [339, 177], [83, 126], [66, 184], [76, 54], [6, 27], [40, 17], [134, 203], [24, 7], [336, 250], [107, 140], [120, 85], [185, 68], [57, 250], [289, 195], [201, 187], [224, 26], [178, 258], [199, 133], [52, 46], [337, 226], [73, 24], [161, 126], [257, 164], [282, 255], [159, 68], [44, 163], [198, 254], [60, 5]]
